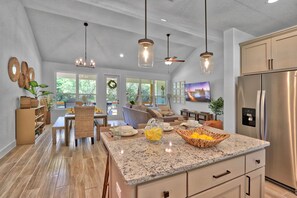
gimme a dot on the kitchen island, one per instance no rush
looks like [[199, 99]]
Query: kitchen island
[[173, 168]]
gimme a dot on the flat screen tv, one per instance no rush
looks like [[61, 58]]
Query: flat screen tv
[[197, 92]]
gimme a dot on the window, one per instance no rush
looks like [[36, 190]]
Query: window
[[160, 89], [87, 88], [178, 94], [132, 89], [147, 92], [75, 87], [112, 102], [66, 89]]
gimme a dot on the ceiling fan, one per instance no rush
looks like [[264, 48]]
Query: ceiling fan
[[169, 60]]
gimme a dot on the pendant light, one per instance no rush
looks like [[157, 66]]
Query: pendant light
[[206, 58], [167, 59], [145, 48], [80, 62]]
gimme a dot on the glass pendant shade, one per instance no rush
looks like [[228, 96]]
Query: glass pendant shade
[[206, 62], [145, 53]]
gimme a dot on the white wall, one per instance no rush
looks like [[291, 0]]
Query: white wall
[[190, 72], [232, 38], [16, 39], [49, 77]]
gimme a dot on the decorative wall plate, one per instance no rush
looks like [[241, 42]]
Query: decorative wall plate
[[27, 80], [14, 69], [24, 65], [31, 74], [21, 80]]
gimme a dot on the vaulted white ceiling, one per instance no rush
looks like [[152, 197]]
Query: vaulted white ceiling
[[115, 26]]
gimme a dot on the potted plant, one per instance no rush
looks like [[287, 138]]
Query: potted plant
[[163, 91], [36, 90], [216, 106], [131, 103], [50, 104]]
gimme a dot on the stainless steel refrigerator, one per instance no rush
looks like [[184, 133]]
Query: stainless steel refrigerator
[[267, 109]]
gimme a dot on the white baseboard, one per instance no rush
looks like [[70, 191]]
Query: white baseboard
[[7, 148]]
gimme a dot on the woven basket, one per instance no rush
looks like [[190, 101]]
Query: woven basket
[[217, 137], [34, 103], [25, 102]]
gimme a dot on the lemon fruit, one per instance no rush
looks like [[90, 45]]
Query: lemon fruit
[[201, 136], [153, 134]]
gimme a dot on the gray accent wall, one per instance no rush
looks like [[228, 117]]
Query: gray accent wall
[[190, 73], [16, 39]]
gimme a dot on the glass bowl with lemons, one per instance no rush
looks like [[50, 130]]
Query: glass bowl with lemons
[[153, 131]]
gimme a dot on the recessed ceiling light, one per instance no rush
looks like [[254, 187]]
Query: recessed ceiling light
[[121, 55], [271, 1], [164, 20]]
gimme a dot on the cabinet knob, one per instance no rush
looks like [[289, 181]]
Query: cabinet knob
[[258, 161], [166, 194]]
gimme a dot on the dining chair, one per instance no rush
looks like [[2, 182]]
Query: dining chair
[[84, 123]]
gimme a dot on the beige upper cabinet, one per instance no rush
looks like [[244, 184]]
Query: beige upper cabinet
[[255, 56], [284, 51], [277, 51]]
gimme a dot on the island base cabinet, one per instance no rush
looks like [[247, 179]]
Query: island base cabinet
[[232, 189], [255, 183], [171, 187]]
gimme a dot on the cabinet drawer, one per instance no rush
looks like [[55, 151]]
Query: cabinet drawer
[[234, 189], [175, 186], [210, 176], [255, 160]]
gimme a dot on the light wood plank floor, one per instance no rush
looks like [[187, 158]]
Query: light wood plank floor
[[46, 170]]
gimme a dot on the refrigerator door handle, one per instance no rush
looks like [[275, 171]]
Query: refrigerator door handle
[[263, 116], [258, 129]]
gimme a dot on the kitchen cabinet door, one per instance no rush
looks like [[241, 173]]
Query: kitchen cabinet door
[[255, 183], [284, 51], [255, 56], [233, 188]]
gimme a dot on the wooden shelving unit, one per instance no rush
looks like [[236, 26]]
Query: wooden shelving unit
[[29, 124], [199, 116]]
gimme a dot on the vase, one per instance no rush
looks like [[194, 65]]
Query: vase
[[48, 117], [34, 102], [153, 131], [25, 102]]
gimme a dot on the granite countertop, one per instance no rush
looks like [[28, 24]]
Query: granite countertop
[[140, 161]]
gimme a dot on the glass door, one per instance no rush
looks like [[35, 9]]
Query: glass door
[[112, 96]]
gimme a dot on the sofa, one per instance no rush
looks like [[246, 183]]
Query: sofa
[[139, 114]]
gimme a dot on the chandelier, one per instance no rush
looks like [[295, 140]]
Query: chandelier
[[83, 62]]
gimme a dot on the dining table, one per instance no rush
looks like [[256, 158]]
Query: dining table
[[68, 117]]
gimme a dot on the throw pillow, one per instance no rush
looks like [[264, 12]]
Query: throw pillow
[[154, 113], [159, 115], [151, 112], [139, 107]]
